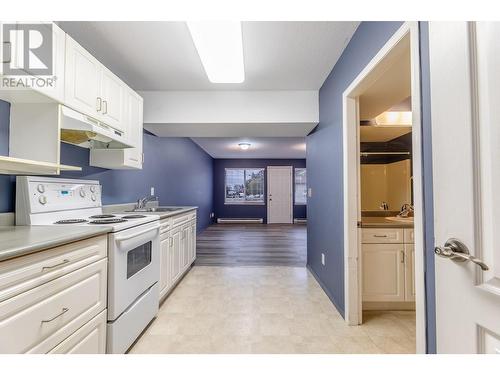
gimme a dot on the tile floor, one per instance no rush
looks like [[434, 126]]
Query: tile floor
[[266, 310]]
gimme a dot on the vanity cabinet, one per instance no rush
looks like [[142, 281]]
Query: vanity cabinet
[[55, 300], [388, 265], [178, 249]]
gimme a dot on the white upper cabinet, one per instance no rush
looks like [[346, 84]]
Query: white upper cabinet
[[112, 93], [83, 80], [93, 89]]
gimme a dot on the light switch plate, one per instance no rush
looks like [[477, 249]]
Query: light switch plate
[[323, 258], [152, 190], [309, 192]]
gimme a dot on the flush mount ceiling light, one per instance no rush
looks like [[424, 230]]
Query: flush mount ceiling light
[[394, 118], [244, 146], [220, 47]]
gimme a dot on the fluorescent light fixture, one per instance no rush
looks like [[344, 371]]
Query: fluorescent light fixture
[[244, 146], [220, 46], [394, 118]]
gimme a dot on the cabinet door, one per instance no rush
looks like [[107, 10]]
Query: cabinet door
[[164, 265], [176, 254], [112, 93], [383, 272], [410, 272], [134, 131], [82, 80], [192, 246], [185, 248]]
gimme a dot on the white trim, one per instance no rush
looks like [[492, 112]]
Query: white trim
[[269, 169], [351, 177]]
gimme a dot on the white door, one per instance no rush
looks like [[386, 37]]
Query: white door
[[82, 80], [279, 195], [465, 89]]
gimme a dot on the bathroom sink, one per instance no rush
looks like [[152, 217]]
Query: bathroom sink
[[400, 219], [157, 209]]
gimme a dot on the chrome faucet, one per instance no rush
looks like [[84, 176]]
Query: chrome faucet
[[141, 203], [384, 206], [406, 210]]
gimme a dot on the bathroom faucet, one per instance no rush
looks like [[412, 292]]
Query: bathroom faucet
[[406, 210], [141, 203], [384, 206]]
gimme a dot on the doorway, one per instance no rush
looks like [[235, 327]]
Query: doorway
[[279, 195], [409, 260]]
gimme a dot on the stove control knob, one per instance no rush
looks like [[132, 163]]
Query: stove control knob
[[41, 188], [92, 189], [93, 197], [82, 192], [42, 199]]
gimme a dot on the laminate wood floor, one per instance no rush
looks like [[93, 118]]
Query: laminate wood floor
[[252, 245]]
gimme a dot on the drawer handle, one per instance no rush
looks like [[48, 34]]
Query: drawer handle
[[380, 235], [64, 311], [55, 265]]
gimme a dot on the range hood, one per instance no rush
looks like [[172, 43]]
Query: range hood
[[84, 131]]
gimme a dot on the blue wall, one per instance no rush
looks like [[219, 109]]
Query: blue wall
[[325, 229], [324, 160], [248, 211], [180, 171], [7, 186], [427, 187]]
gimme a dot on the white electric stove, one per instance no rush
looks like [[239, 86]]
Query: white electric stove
[[133, 248]]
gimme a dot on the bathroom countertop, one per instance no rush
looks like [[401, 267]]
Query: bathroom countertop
[[382, 222], [16, 241]]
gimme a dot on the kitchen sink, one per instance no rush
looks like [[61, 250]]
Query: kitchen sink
[[400, 219], [156, 209]]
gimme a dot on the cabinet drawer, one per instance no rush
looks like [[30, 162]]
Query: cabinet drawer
[[90, 339], [165, 225], [180, 220], [21, 274], [384, 235], [409, 236], [41, 318]]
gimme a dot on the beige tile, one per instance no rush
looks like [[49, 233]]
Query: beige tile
[[266, 310]]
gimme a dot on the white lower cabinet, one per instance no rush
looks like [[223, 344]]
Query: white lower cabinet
[[387, 265], [47, 297], [90, 339], [383, 272], [178, 249]]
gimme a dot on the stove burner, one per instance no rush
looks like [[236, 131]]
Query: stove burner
[[71, 221], [102, 216], [133, 216], [107, 221]]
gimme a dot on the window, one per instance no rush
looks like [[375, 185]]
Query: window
[[244, 186], [300, 186]]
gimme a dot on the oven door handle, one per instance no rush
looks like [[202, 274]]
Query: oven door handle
[[124, 238]]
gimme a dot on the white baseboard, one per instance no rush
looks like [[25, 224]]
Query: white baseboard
[[239, 221]]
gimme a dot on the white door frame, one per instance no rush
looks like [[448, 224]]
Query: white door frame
[[269, 169], [352, 238]]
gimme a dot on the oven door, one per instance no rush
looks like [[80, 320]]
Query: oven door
[[134, 265]]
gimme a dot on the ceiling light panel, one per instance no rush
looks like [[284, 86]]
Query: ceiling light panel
[[220, 47]]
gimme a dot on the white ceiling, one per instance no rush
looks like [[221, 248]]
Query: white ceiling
[[162, 56], [382, 134], [261, 148], [391, 88]]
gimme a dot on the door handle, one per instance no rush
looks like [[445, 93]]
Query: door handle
[[457, 251], [105, 106], [99, 104]]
